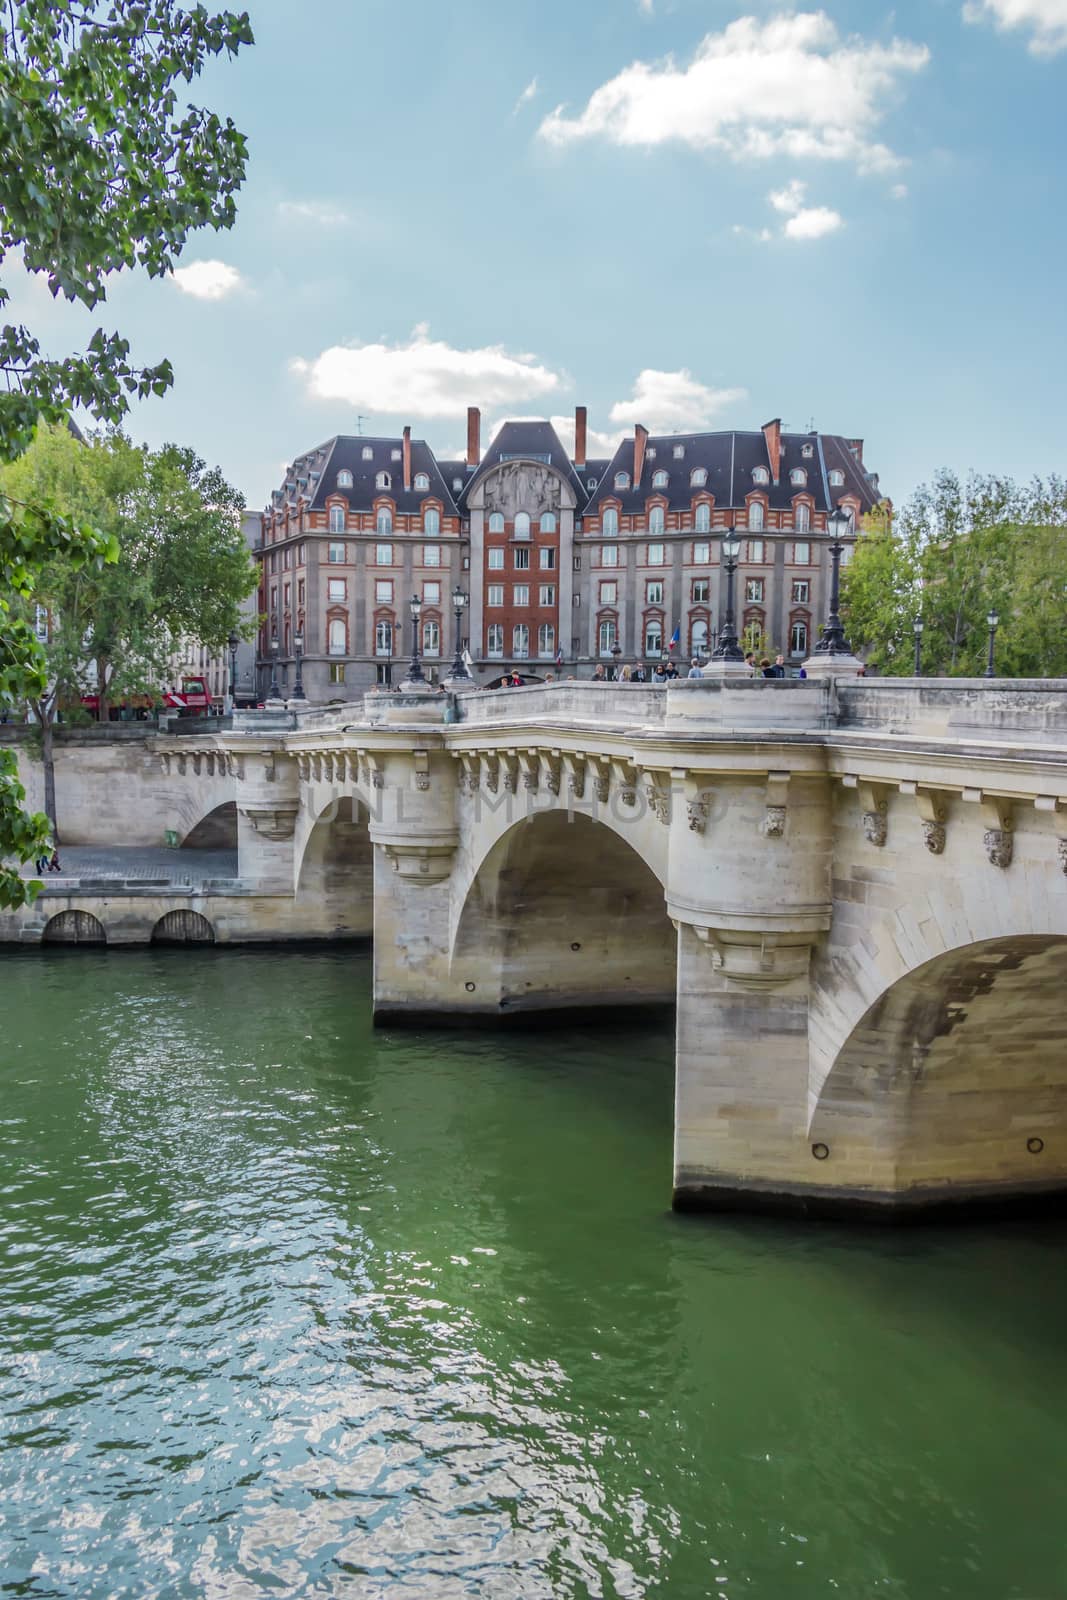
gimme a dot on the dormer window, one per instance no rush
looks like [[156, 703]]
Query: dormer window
[[422, 480], [396, 455], [698, 477], [760, 475], [679, 452], [367, 453], [622, 480], [837, 479], [590, 483], [383, 481], [344, 479], [650, 452], [457, 483], [659, 479], [798, 477], [808, 451]]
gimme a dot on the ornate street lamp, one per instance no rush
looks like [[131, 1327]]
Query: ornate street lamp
[[298, 649], [833, 641], [459, 603], [728, 648], [233, 641], [274, 692], [917, 629], [993, 621], [415, 672]]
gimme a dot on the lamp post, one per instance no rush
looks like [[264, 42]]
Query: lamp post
[[917, 629], [728, 648], [993, 620], [298, 650], [274, 692], [233, 641], [459, 603], [415, 672], [833, 641]]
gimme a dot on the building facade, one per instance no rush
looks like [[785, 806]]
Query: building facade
[[564, 562]]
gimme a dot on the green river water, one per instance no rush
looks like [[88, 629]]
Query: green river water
[[291, 1307]]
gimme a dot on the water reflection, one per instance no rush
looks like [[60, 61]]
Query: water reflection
[[288, 1306]]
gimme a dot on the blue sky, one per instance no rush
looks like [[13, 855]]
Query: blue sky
[[687, 212]]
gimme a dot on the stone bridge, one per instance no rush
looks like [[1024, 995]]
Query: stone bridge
[[852, 892]]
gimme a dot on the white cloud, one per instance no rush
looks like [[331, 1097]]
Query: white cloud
[[596, 444], [208, 280], [787, 87], [528, 94], [899, 191], [805, 222], [321, 212], [1047, 19], [424, 377], [647, 8], [668, 401]]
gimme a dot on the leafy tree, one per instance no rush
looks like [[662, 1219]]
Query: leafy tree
[[957, 551], [98, 171], [182, 569]]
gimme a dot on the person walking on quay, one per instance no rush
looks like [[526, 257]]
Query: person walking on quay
[[750, 663], [638, 673], [659, 674], [778, 670], [694, 669], [672, 672], [624, 675], [599, 675], [53, 862]]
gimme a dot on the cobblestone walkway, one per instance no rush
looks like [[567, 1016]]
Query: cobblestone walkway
[[90, 863]]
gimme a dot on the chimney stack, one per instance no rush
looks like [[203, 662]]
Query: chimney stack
[[474, 436], [580, 432], [772, 433], [407, 459], [640, 440]]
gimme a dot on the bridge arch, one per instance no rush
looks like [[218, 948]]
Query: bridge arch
[[955, 1078], [74, 927], [183, 927], [564, 911], [216, 830], [334, 866]]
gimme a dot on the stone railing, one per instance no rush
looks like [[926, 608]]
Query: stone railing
[[971, 710]]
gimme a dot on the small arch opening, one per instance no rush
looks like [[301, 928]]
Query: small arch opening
[[183, 927], [74, 927]]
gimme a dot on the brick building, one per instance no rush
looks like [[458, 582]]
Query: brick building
[[558, 555]]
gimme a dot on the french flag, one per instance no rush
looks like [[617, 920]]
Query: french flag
[[559, 656], [676, 638]]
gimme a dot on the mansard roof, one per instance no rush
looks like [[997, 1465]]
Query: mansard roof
[[729, 459], [315, 474], [529, 441]]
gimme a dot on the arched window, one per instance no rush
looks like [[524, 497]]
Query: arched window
[[698, 477], [344, 479], [520, 641], [698, 637], [384, 521], [659, 479], [337, 519], [609, 523], [383, 481], [546, 640], [755, 516], [422, 481], [383, 637], [653, 637], [802, 518], [548, 522], [431, 637], [522, 524], [703, 518], [622, 480], [837, 479], [496, 522], [656, 520], [798, 637], [760, 475], [606, 635], [431, 520], [754, 630], [337, 641], [798, 477]]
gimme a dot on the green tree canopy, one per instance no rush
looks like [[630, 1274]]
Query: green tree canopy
[[955, 552], [99, 170]]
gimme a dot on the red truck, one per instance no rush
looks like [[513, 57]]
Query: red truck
[[193, 699]]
